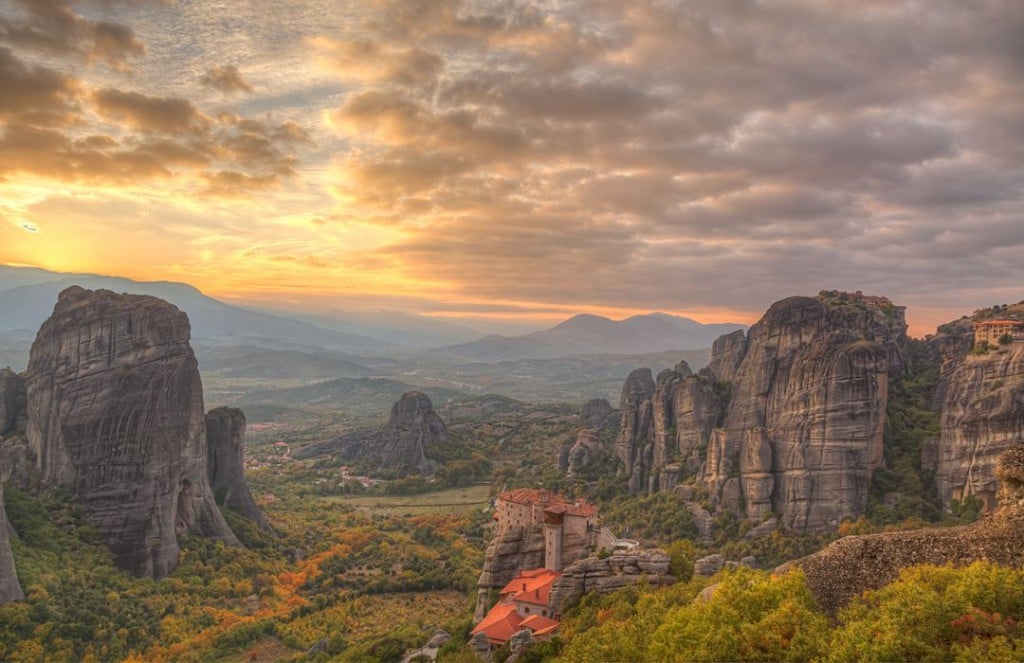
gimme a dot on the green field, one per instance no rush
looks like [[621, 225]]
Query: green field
[[454, 500]]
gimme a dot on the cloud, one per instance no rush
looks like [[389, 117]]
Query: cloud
[[160, 114], [622, 155], [55, 125], [52, 26], [227, 79]]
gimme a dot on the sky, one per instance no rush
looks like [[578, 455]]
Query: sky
[[521, 161]]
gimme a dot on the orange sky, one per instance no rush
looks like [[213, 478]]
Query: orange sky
[[521, 162]]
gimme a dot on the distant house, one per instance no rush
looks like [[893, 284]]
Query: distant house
[[991, 331], [523, 605]]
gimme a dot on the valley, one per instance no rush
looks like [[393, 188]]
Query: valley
[[347, 512]]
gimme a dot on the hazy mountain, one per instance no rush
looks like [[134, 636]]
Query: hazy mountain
[[26, 306], [592, 334]]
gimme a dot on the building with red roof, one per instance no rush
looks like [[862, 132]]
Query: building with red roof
[[570, 527], [524, 603]]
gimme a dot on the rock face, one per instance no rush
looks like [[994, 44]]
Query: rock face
[[12, 400], [609, 574], [803, 432], [413, 426], [787, 419], [10, 588], [666, 426], [855, 564], [225, 463], [115, 409], [596, 418], [982, 416]]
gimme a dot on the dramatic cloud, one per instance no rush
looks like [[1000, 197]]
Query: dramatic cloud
[[698, 155]]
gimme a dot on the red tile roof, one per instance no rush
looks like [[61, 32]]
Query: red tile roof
[[533, 587], [551, 501], [499, 624], [539, 624], [504, 620]]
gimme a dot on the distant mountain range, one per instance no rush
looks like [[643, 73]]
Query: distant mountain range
[[593, 334], [30, 302], [27, 297]]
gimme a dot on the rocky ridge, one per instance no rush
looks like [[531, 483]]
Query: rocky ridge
[[115, 417], [225, 465]]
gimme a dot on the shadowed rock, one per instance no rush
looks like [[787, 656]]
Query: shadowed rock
[[10, 588], [982, 416], [116, 418], [225, 453], [12, 400], [413, 426]]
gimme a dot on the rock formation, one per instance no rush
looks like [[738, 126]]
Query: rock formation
[[12, 400], [413, 426], [225, 463], [596, 418], [609, 574], [115, 410], [982, 416], [803, 432], [787, 419], [10, 588], [855, 564], [666, 426], [11, 462]]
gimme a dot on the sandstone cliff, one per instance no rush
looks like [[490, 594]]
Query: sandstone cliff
[[666, 429], [788, 419], [225, 464], [115, 411], [10, 588], [12, 400], [982, 416], [854, 564], [412, 427]]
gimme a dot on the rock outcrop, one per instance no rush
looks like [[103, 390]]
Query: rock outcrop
[[803, 432], [788, 418], [666, 426], [225, 463], [10, 588], [115, 409], [12, 400], [609, 574], [597, 418], [412, 427], [855, 564], [982, 416]]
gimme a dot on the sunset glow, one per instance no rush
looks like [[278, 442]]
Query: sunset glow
[[521, 161]]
